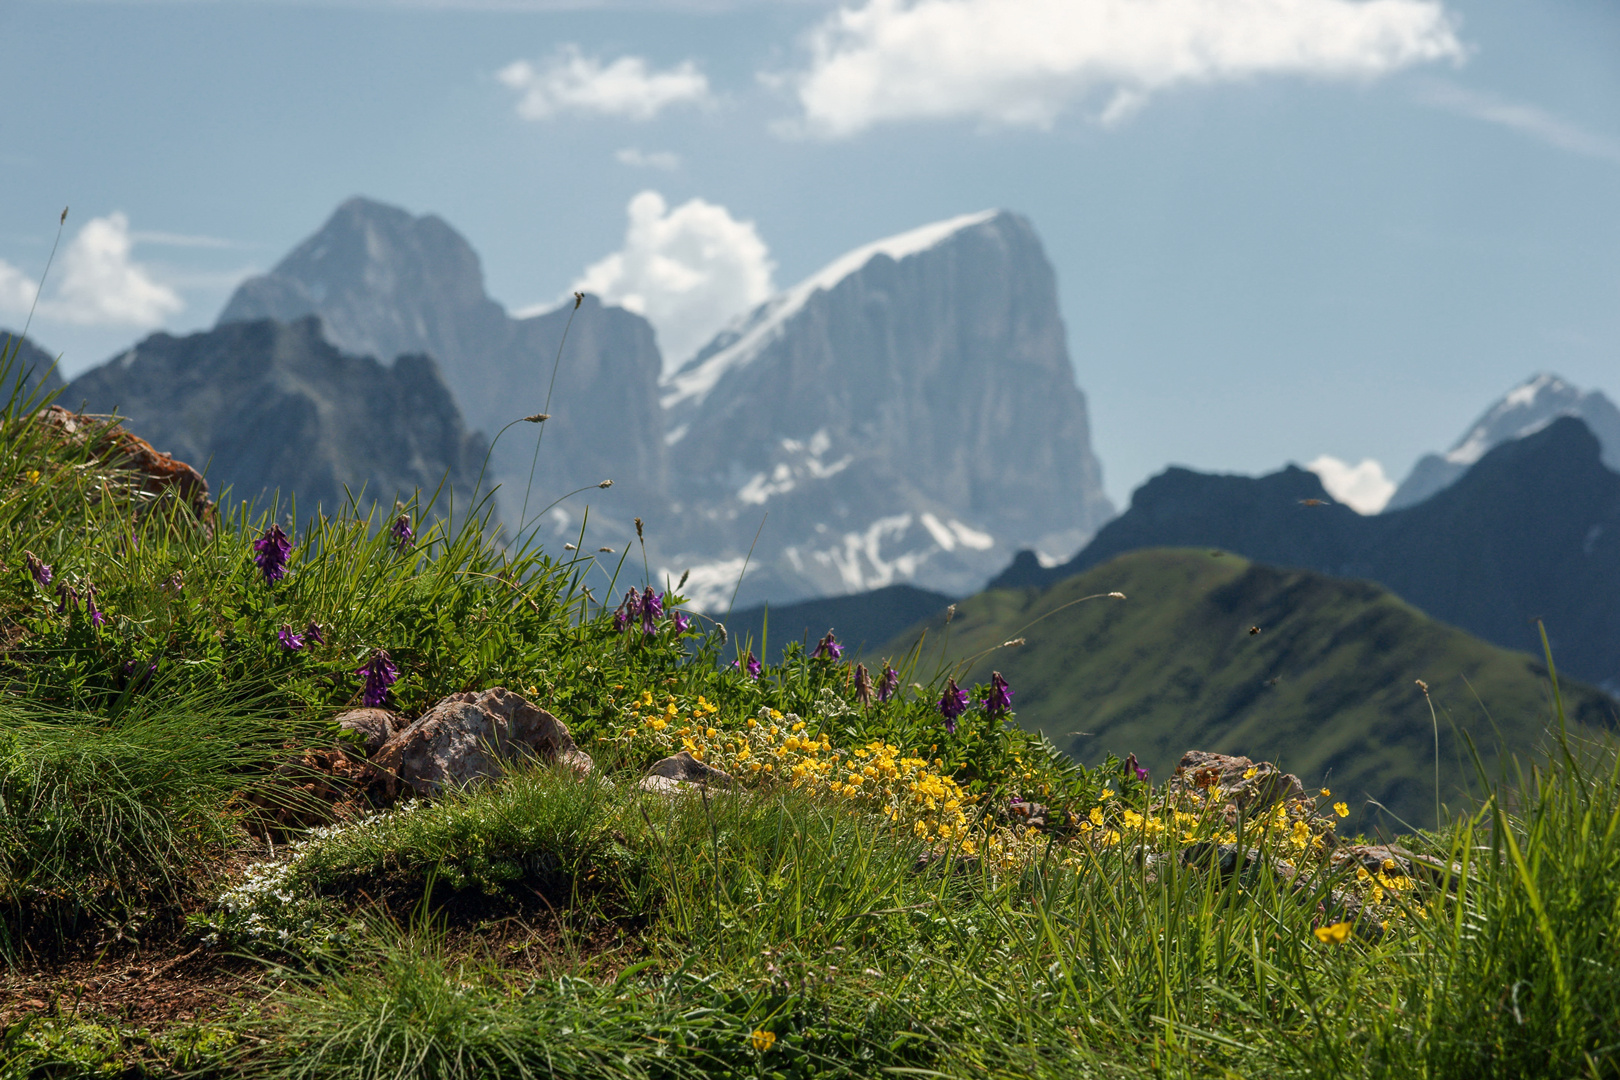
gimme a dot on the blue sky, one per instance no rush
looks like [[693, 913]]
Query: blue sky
[[1281, 228]]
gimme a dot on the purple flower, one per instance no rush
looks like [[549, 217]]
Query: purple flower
[[652, 609], [290, 641], [888, 683], [312, 632], [827, 649], [380, 674], [952, 703], [629, 610], [401, 532], [999, 699], [69, 597], [1132, 768], [752, 666], [270, 553], [40, 569], [682, 623], [863, 685], [96, 617]]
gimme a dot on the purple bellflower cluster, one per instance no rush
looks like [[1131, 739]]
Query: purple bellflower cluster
[[40, 569], [380, 673], [746, 662], [998, 701], [888, 683], [290, 640], [1133, 769], [270, 552], [652, 609], [401, 532], [313, 633], [629, 610], [952, 703], [827, 648]]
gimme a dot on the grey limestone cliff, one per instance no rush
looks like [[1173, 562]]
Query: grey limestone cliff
[[909, 413]]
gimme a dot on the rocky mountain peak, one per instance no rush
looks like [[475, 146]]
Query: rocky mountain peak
[[908, 413], [1522, 411]]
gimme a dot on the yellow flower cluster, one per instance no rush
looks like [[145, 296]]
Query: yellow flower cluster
[[910, 791]]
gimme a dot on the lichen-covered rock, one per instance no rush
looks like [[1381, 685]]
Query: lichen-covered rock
[[374, 727], [682, 772], [1267, 786], [468, 739]]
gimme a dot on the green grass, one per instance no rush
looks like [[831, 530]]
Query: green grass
[[546, 925], [1327, 688]]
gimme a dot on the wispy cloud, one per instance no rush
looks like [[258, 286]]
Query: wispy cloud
[[1363, 488], [168, 239], [1528, 120], [656, 159], [1024, 62], [571, 82]]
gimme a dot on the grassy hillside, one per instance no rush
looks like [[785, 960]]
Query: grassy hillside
[[1326, 688]]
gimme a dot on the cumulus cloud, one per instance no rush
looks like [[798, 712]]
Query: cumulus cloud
[[1363, 488], [96, 282], [688, 270], [572, 82], [657, 159], [1024, 62]]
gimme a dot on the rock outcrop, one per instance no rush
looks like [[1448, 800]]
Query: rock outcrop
[[137, 471], [683, 772], [274, 406], [469, 739]]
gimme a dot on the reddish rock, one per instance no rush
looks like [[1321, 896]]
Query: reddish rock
[[467, 739], [154, 474], [318, 788], [1269, 785]]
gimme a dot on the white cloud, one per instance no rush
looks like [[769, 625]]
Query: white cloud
[[1527, 120], [1363, 488], [657, 159], [688, 270], [627, 87], [1023, 62], [96, 282]]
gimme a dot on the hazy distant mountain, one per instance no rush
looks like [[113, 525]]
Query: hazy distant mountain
[[386, 283], [1531, 531], [907, 414], [1525, 409], [35, 367], [862, 622], [266, 405]]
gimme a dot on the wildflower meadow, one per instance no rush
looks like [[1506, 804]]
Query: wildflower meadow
[[882, 875]]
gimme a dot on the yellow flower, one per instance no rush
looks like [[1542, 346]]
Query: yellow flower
[[33, 476], [1337, 934], [1107, 793], [658, 724], [1341, 809], [1096, 815], [763, 1040], [1249, 773], [1326, 793]]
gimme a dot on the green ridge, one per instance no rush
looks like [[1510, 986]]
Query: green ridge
[[1174, 668]]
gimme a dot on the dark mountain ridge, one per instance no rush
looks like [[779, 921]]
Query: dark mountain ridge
[[1531, 532], [265, 405]]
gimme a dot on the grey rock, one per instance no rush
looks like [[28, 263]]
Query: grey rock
[[373, 726], [274, 406], [683, 772], [468, 739]]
